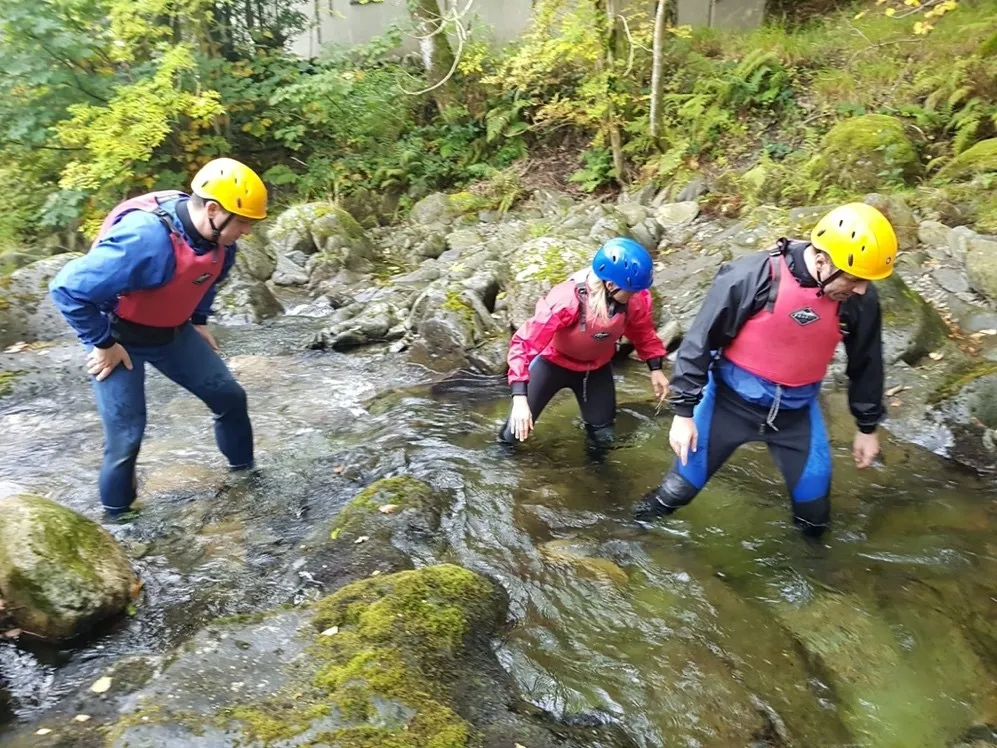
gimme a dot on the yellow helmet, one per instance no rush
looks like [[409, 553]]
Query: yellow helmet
[[234, 186], [859, 240]]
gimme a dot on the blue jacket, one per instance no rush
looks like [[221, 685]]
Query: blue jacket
[[135, 254]]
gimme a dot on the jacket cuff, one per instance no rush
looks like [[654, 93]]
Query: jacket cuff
[[519, 388], [106, 343], [867, 428], [199, 319], [654, 364], [683, 411]]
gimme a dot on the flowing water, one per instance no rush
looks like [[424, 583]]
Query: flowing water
[[719, 626]]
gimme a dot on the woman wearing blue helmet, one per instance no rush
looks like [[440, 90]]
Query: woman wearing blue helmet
[[571, 339]]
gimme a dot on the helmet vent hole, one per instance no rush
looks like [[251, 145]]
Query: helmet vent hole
[[602, 267], [853, 235], [889, 260], [822, 232], [851, 260], [863, 248], [841, 223], [238, 201]]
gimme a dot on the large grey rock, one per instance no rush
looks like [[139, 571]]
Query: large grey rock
[[933, 234], [246, 301], [60, 573], [674, 215], [537, 267], [254, 258], [981, 265], [899, 215], [26, 310]]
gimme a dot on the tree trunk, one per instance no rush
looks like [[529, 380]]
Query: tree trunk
[[437, 56], [615, 139], [657, 69]]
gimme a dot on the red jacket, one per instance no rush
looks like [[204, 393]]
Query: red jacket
[[560, 310]]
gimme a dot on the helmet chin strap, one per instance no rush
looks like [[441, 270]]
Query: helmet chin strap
[[216, 231], [823, 284]]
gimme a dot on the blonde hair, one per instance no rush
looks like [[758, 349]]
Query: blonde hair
[[598, 299]]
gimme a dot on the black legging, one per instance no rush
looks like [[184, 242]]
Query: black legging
[[594, 390]]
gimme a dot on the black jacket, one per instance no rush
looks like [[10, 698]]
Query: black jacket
[[739, 291]]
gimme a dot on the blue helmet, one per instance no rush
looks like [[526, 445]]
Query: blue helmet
[[624, 262]]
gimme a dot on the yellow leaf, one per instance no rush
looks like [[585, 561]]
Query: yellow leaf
[[890, 12], [335, 533], [859, 15], [912, 3]]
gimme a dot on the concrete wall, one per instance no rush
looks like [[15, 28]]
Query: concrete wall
[[348, 23], [722, 14]]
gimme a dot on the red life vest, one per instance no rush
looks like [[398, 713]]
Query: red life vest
[[792, 340], [592, 340], [171, 304]]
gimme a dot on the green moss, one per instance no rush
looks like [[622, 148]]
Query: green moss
[[462, 203], [959, 376], [396, 638], [403, 491], [863, 153], [7, 378], [979, 159], [456, 303]]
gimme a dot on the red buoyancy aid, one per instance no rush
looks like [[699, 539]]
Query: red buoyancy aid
[[171, 304], [792, 340], [592, 340]]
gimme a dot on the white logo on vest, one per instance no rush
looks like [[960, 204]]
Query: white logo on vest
[[805, 316]]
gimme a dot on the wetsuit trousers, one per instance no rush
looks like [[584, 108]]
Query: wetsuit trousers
[[595, 392], [797, 441], [190, 362]]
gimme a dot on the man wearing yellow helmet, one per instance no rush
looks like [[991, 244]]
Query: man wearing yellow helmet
[[143, 293], [752, 364]]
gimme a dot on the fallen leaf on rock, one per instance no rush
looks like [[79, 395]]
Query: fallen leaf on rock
[[361, 539], [894, 390], [81, 718], [988, 332], [44, 731], [388, 509], [936, 356], [12, 634], [338, 470], [331, 632], [103, 685]]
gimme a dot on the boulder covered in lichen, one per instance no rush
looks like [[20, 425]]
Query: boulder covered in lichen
[[538, 266], [401, 660], [863, 153], [60, 573]]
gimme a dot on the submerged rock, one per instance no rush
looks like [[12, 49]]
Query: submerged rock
[[398, 660], [60, 573]]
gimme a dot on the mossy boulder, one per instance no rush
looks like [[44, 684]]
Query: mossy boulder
[[440, 208], [862, 153], [313, 234], [255, 258], [60, 573], [912, 328], [26, 309], [246, 301], [980, 158], [403, 494], [538, 266], [395, 661]]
